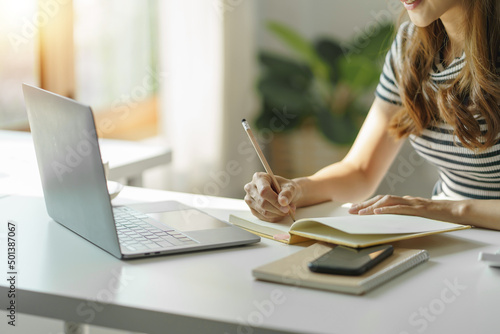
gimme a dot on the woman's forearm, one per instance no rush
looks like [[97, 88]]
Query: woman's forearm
[[357, 176], [479, 213], [340, 182]]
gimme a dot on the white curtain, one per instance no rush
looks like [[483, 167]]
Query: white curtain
[[208, 66]]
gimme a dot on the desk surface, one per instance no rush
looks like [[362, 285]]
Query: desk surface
[[63, 276], [127, 159]]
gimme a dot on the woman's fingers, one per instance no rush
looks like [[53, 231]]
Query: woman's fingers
[[355, 208], [368, 207], [398, 210], [263, 200]]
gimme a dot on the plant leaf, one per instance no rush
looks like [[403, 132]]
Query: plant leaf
[[302, 47], [379, 42], [277, 66], [359, 72], [278, 120], [339, 129], [330, 52]]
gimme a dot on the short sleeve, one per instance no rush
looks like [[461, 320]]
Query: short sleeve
[[388, 86]]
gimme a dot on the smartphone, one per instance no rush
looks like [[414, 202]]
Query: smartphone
[[350, 261]]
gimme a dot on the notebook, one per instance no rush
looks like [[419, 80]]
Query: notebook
[[77, 197], [342, 228], [293, 270]]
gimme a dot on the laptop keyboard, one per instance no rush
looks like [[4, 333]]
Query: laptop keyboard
[[137, 234]]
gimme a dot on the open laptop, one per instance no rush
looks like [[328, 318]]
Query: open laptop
[[76, 193]]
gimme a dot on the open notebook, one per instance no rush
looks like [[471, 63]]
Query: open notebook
[[331, 222]]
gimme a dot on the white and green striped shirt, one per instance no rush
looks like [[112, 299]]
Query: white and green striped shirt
[[463, 173]]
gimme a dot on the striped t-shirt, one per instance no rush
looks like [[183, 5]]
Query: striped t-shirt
[[463, 174]]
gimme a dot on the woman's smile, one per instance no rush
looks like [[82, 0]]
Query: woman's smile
[[411, 4]]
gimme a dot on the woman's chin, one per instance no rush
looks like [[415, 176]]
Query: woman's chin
[[420, 21]]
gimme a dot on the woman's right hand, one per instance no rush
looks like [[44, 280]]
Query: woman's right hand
[[265, 203]]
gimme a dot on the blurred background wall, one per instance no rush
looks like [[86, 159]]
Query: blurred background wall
[[185, 72], [213, 84]]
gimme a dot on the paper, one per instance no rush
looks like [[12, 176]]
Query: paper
[[383, 224]]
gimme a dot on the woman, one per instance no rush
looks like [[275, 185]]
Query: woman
[[440, 87]]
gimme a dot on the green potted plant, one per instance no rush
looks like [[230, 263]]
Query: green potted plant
[[328, 85]]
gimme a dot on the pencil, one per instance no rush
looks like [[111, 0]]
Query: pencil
[[262, 158]]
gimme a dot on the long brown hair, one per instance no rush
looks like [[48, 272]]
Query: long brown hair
[[476, 90]]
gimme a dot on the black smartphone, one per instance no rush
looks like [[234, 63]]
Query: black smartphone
[[350, 261]]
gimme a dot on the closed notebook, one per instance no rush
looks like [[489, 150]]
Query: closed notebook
[[342, 228], [293, 270]]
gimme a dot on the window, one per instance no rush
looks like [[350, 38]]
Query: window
[[116, 63], [18, 23], [100, 52]]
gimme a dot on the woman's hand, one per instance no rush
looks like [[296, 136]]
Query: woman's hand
[[449, 211], [263, 200]]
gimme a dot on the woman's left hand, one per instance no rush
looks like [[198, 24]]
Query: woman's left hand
[[412, 206]]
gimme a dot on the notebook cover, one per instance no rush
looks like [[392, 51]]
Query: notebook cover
[[293, 270]]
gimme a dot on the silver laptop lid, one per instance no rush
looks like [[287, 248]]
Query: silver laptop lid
[[70, 166]]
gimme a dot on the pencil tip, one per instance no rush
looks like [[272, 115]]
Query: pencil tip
[[243, 120]]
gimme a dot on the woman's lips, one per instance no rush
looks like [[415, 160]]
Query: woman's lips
[[411, 4]]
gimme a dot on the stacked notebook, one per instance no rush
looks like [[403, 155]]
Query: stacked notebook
[[293, 270], [331, 224]]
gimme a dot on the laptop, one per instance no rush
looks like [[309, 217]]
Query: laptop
[[77, 197]]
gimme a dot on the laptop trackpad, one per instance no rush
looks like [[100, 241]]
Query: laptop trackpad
[[187, 220]]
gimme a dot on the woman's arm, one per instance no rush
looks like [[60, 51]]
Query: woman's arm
[[358, 175], [479, 213], [353, 179]]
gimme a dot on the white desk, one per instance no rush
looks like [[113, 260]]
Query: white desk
[[127, 159], [65, 277]]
